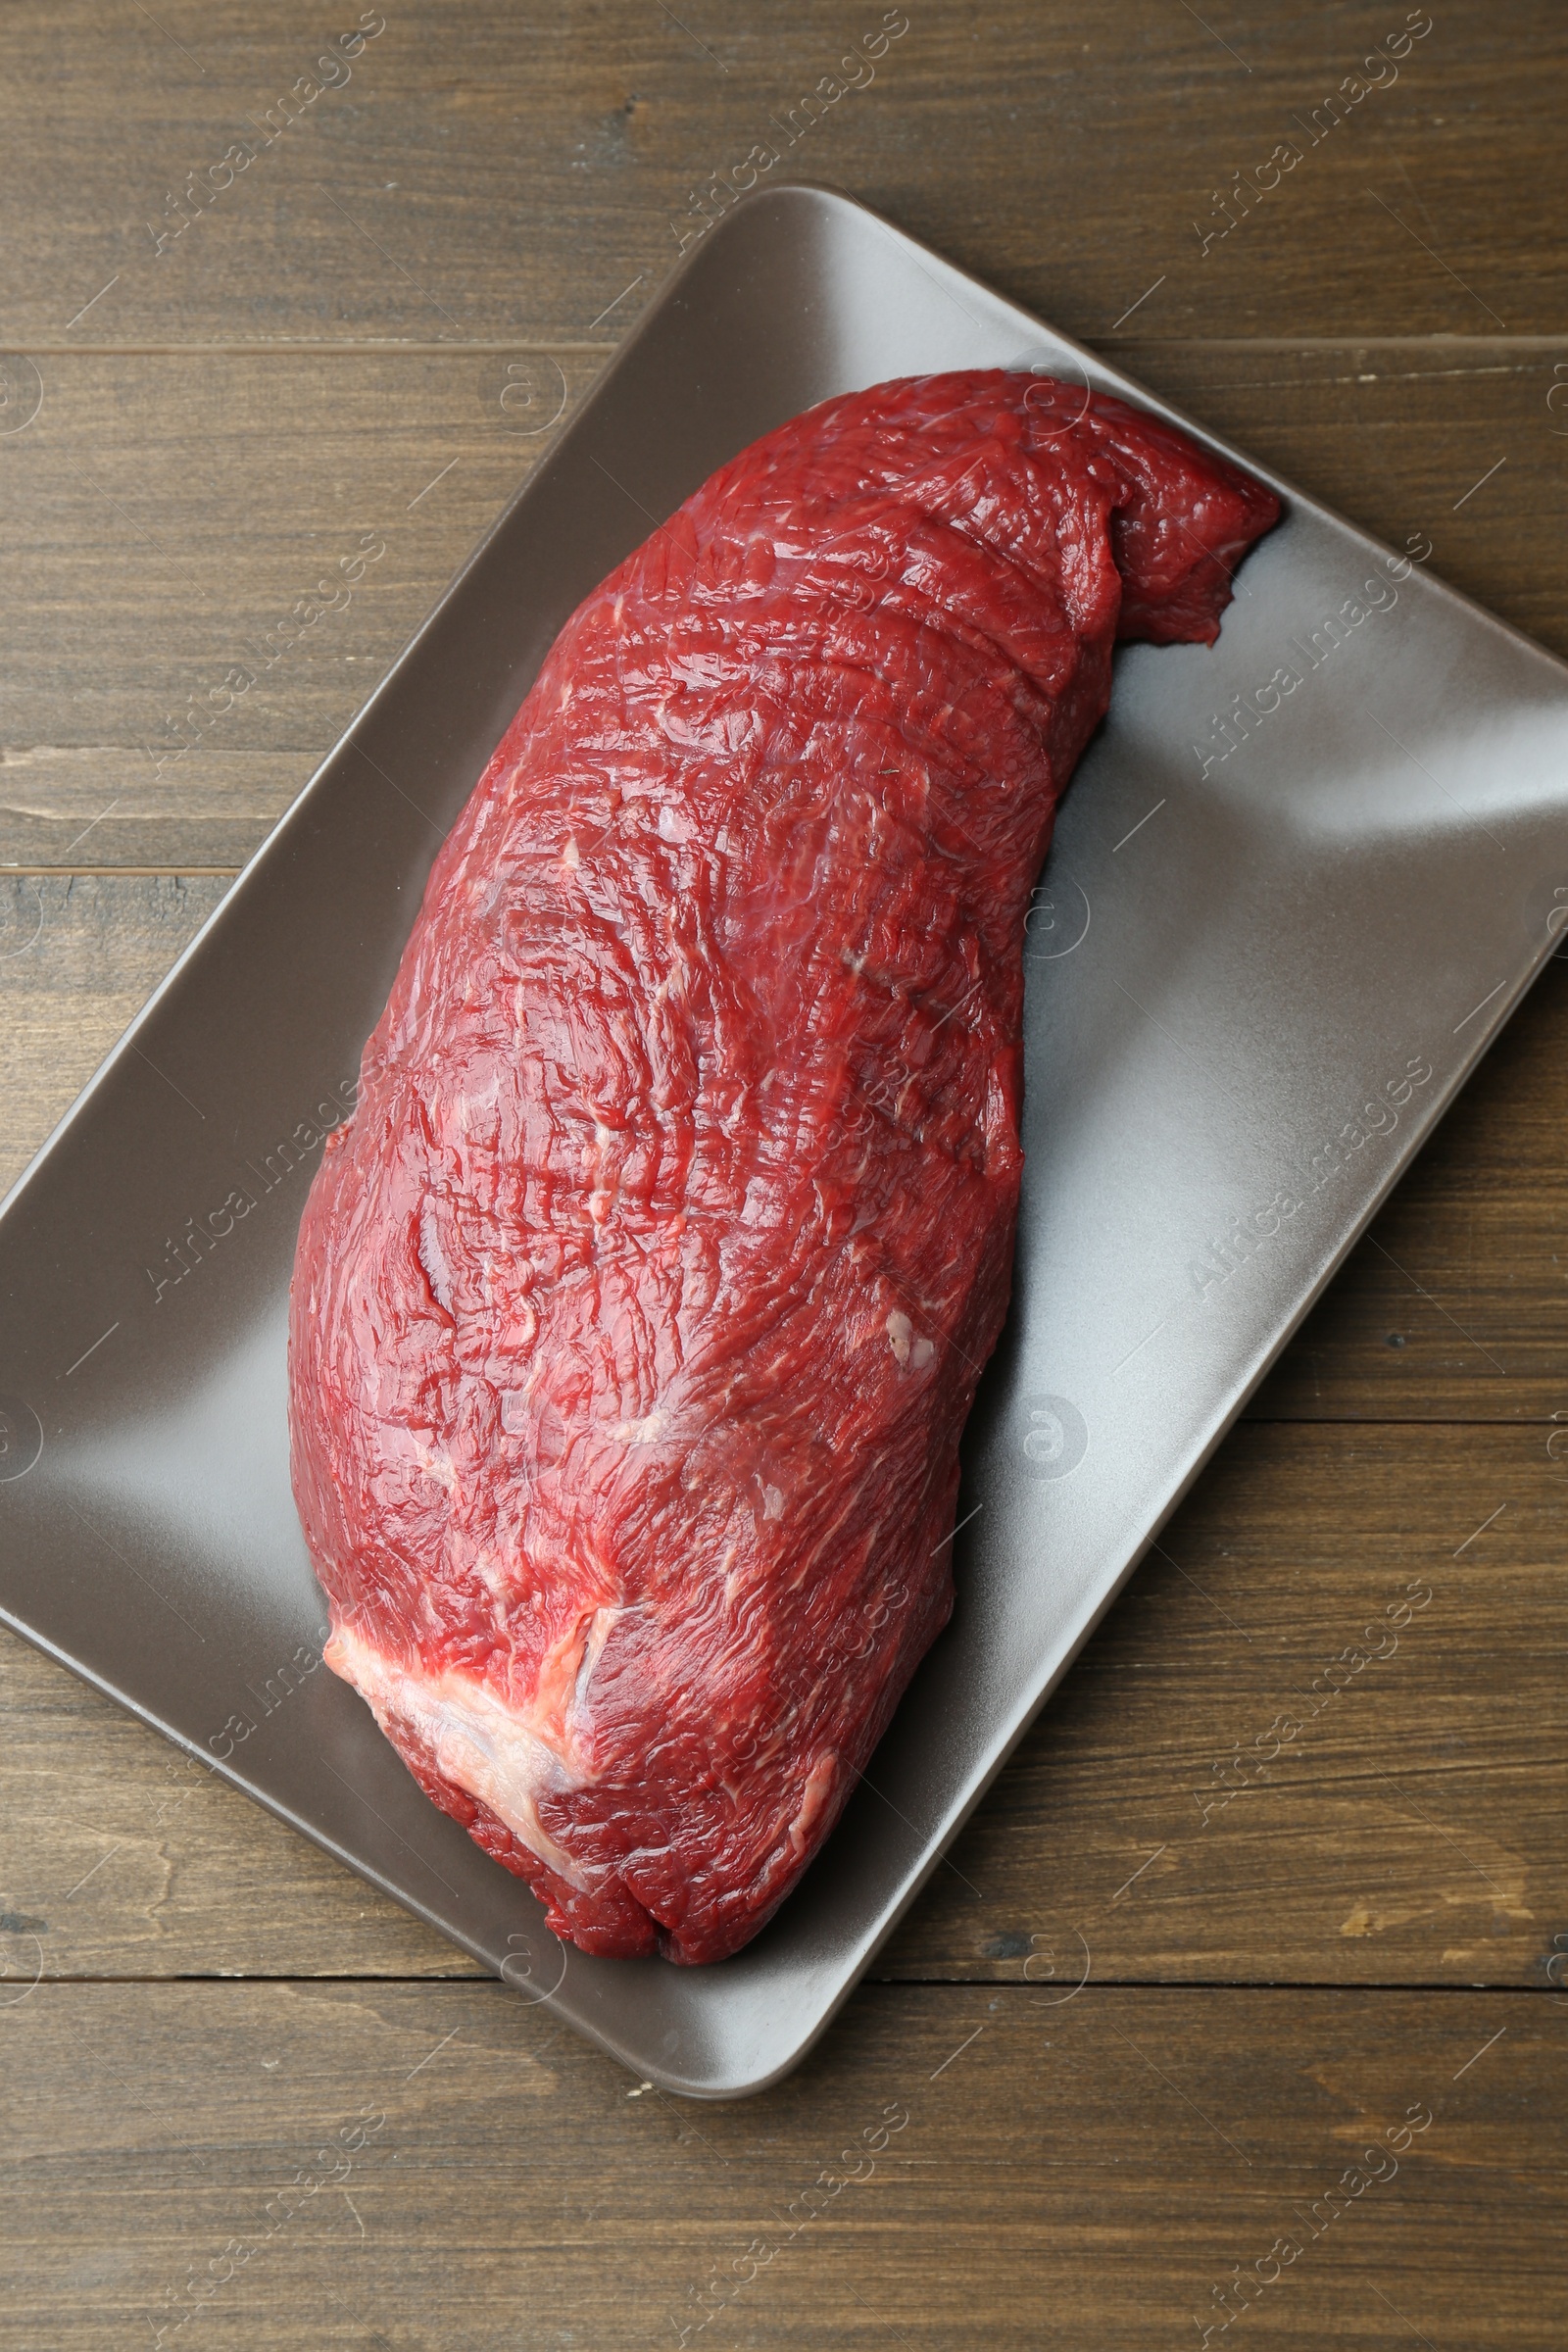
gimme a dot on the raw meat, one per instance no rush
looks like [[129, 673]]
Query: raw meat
[[639, 1307]]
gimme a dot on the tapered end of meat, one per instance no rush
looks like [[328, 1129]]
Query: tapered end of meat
[[1177, 540], [638, 1311]]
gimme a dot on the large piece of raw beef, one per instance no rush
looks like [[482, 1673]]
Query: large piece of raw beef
[[639, 1307]]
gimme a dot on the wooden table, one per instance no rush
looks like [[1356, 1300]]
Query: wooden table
[[1313, 2089]]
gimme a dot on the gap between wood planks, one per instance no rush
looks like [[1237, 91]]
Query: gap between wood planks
[[1446, 343], [165, 874], [1401, 1989]]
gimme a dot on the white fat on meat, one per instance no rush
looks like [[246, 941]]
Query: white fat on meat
[[496, 1753], [813, 1797]]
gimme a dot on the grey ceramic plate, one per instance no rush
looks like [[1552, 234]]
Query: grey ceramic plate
[[1264, 957]]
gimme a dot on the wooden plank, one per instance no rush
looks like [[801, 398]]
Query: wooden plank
[[1398, 436], [414, 2165], [476, 177], [1199, 1802], [490, 192], [172, 516], [121, 1857], [176, 518], [80, 956], [1161, 1823], [1453, 1306]]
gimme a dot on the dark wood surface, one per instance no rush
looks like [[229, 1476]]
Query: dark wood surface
[[1186, 1965]]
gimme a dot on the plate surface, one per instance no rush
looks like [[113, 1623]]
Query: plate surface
[[1268, 949]]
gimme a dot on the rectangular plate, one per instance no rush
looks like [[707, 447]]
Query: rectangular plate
[[1241, 961]]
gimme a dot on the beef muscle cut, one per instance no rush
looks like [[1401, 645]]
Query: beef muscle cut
[[639, 1307]]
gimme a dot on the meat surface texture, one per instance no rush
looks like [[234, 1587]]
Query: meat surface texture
[[639, 1309]]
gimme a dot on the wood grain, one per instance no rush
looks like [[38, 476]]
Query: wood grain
[[438, 2165], [80, 956], [486, 176], [1104, 2117], [172, 516], [1218, 1790], [1455, 1305], [171, 513], [1195, 1803]]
